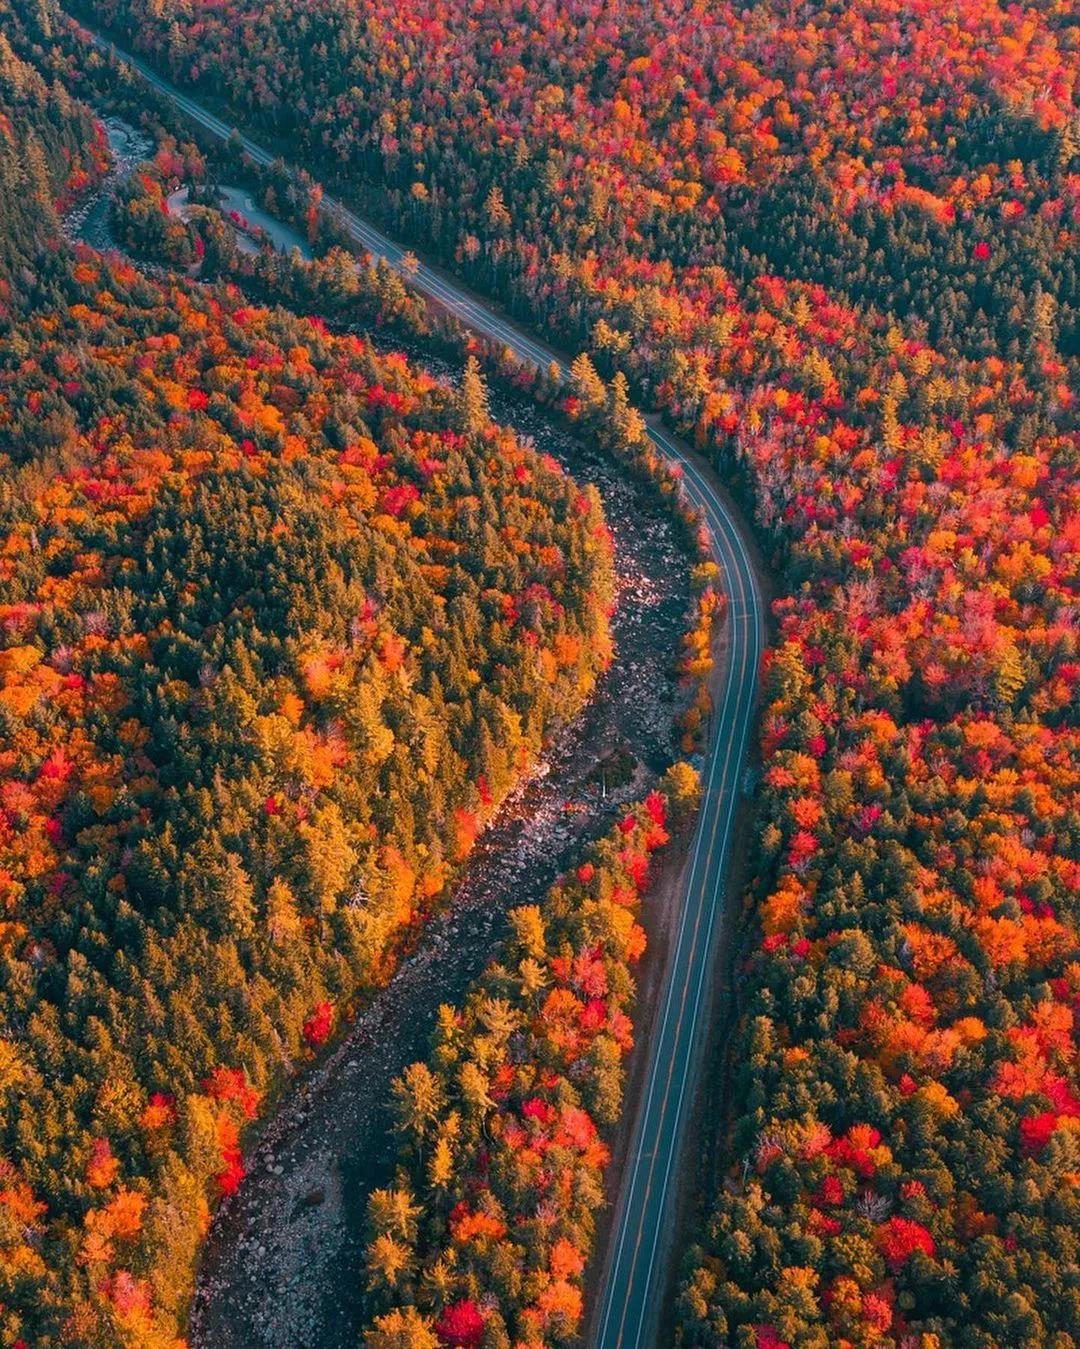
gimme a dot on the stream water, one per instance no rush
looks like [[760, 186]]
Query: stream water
[[89, 222], [282, 1266]]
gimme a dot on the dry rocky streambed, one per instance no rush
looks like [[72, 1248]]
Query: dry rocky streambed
[[282, 1267], [283, 1262]]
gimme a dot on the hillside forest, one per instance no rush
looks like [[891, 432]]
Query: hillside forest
[[836, 245], [284, 621]]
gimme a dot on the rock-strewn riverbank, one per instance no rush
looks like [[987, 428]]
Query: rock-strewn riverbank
[[282, 1264]]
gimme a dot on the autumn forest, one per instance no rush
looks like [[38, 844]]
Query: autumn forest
[[297, 608]]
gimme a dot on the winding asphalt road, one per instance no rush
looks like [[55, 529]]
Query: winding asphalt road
[[636, 1268]]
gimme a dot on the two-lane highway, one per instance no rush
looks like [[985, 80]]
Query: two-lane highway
[[635, 1275], [636, 1267]]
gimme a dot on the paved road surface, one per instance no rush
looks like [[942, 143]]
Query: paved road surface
[[636, 1269]]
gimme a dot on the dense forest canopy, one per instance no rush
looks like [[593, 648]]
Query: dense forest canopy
[[838, 243], [283, 621], [873, 149]]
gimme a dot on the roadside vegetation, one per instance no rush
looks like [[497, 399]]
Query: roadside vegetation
[[837, 244], [485, 1234]]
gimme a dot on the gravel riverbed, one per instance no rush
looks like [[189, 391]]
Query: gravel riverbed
[[282, 1266], [283, 1261]]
